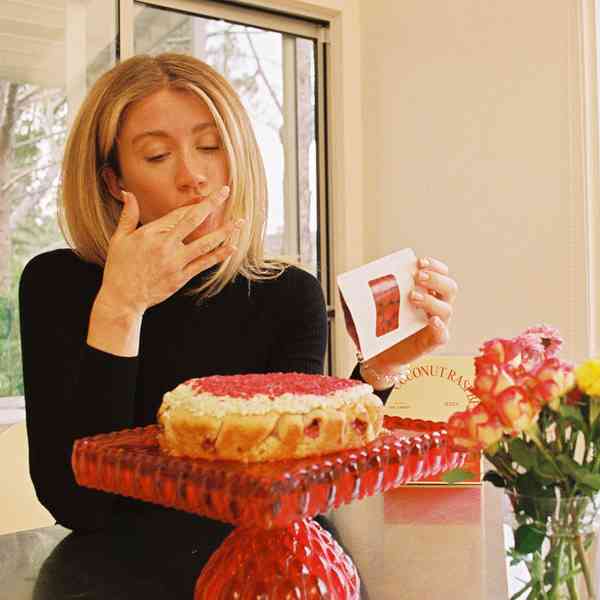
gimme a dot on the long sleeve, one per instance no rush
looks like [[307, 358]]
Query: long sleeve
[[71, 389], [302, 325]]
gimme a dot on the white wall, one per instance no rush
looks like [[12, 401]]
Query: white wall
[[472, 154]]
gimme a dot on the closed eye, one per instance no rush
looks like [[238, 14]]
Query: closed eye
[[207, 148], [157, 158]]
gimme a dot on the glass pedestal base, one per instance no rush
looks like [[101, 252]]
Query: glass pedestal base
[[278, 551], [301, 561]]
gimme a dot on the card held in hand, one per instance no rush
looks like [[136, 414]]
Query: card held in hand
[[376, 305]]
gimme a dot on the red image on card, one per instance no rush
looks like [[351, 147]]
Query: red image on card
[[386, 295]]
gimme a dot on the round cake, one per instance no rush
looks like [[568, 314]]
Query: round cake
[[264, 417]]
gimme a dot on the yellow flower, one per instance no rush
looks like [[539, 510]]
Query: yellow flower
[[587, 376]]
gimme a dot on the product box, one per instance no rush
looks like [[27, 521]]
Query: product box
[[436, 387]]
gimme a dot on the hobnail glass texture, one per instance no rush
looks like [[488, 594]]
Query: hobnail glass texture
[[301, 561], [265, 495]]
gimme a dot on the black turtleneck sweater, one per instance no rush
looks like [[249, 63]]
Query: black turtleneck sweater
[[73, 390]]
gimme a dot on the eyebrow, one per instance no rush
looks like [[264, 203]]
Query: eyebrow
[[160, 133]]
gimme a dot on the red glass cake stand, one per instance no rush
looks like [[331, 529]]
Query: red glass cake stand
[[278, 551]]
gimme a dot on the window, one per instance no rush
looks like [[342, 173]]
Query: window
[[274, 74], [51, 55]]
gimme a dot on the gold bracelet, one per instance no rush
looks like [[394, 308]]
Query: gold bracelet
[[387, 380]]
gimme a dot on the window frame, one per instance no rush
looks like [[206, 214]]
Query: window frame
[[316, 30]]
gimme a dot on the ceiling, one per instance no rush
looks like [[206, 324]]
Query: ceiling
[[34, 34]]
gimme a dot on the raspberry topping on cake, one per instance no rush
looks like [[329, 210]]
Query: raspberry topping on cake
[[271, 385]]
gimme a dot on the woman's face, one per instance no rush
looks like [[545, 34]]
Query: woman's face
[[171, 155]]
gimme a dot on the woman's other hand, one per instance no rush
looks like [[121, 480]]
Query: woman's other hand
[[435, 292]]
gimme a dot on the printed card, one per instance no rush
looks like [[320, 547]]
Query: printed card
[[377, 310]]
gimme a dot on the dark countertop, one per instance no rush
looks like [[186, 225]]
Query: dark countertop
[[410, 543]]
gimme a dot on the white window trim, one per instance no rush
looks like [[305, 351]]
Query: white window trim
[[591, 66], [249, 16], [584, 156]]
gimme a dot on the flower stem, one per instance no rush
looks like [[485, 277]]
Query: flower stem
[[573, 595], [555, 556], [584, 566]]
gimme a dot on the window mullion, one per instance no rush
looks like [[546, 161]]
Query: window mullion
[[324, 246], [290, 148], [126, 23], [75, 59]]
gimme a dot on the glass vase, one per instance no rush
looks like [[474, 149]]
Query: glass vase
[[552, 547]]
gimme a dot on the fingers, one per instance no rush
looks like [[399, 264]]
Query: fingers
[[130, 214], [438, 331], [436, 283], [433, 264], [195, 216], [431, 305], [435, 294], [208, 260], [212, 241]]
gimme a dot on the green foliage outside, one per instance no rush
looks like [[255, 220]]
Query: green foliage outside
[[38, 134]]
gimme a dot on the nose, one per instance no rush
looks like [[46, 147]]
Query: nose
[[190, 174]]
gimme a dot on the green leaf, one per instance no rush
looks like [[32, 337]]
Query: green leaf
[[456, 475], [495, 479], [528, 485], [579, 473], [573, 415], [545, 471], [594, 404], [528, 539], [522, 453], [596, 430]]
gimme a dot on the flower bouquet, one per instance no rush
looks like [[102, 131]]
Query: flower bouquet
[[537, 424]]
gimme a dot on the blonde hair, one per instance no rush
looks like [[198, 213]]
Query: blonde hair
[[88, 214]]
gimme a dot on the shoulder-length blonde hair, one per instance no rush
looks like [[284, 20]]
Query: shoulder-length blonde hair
[[88, 214]]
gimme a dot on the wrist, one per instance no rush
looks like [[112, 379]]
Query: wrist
[[381, 378], [113, 328], [110, 305]]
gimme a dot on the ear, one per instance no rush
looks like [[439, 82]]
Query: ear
[[113, 183]]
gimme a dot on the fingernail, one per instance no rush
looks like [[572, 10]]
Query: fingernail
[[224, 193], [417, 296], [424, 262], [423, 275], [436, 322]]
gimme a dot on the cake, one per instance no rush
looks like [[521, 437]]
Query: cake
[[265, 417]]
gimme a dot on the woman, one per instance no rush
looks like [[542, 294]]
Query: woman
[[164, 202]]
